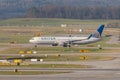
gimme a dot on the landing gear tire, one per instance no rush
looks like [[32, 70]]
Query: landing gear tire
[[69, 45], [66, 45]]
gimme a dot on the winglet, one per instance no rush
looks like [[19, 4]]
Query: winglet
[[89, 36]]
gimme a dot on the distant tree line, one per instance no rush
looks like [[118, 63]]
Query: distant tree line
[[74, 12]]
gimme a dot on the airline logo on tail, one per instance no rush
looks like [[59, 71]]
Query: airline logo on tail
[[98, 33]]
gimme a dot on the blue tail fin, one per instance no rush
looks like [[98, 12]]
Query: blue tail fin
[[100, 29], [98, 33]]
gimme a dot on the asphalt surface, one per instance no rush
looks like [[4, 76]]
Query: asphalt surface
[[113, 40], [77, 75]]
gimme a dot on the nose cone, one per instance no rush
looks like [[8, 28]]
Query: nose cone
[[31, 41]]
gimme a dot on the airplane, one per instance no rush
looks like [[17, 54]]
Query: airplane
[[69, 40]]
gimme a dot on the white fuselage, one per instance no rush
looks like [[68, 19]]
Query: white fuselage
[[61, 40]]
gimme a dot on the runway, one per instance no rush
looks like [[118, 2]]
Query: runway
[[77, 75], [57, 69]]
